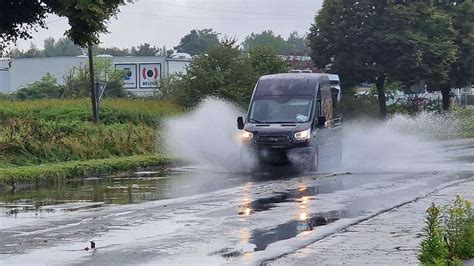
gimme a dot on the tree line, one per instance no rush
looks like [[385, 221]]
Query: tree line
[[196, 42]]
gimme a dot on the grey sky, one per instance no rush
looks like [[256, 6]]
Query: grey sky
[[164, 22]]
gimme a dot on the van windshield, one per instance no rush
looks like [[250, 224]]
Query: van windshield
[[281, 109]]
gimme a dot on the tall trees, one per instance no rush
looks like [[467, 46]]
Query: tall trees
[[267, 39], [198, 42], [297, 44], [461, 73], [225, 72], [145, 49], [62, 47], [376, 41], [294, 45], [65, 47]]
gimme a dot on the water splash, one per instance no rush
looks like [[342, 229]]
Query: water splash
[[402, 143], [207, 136], [428, 125]]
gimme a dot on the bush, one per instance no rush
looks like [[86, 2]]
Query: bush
[[365, 106], [46, 88], [449, 234], [76, 83], [433, 247]]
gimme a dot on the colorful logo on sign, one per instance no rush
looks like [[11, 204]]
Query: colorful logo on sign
[[130, 75], [150, 75]]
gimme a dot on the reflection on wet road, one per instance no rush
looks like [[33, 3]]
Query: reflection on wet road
[[198, 216]]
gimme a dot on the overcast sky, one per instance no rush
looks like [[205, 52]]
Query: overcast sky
[[164, 22]]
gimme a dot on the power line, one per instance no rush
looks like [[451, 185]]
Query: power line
[[226, 11], [54, 21], [201, 18]]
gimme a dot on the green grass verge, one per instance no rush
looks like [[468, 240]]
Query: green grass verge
[[466, 119], [57, 172]]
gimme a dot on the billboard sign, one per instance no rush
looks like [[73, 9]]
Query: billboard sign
[[150, 75], [130, 75]]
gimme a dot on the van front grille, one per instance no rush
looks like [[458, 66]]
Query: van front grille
[[273, 141]]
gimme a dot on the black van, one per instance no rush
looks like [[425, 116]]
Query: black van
[[293, 118]]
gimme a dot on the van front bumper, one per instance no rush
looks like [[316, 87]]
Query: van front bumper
[[296, 155]]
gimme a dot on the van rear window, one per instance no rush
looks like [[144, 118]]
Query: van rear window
[[275, 87]]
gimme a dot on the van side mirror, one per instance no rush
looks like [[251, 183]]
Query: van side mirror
[[240, 123], [321, 121]]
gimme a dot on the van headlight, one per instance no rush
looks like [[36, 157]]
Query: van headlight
[[246, 136], [303, 135]]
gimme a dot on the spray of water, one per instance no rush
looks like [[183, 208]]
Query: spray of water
[[390, 146], [207, 137]]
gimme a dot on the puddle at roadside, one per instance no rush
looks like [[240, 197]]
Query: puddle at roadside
[[104, 190], [28, 203]]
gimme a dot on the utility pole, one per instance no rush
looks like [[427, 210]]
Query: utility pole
[[95, 109]]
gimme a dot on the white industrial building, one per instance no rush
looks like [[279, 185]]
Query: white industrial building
[[143, 73]]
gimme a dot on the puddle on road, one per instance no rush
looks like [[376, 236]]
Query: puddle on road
[[104, 190], [296, 195], [306, 222], [264, 204], [45, 200]]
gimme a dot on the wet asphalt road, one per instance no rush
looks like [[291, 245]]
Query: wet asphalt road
[[201, 216]]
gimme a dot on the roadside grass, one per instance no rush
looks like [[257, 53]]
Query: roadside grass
[[38, 136], [466, 119], [57, 172], [136, 111], [449, 234], [30, 142]]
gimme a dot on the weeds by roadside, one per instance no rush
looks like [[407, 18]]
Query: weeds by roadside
[[42, 134], [45, 131], [449, 234]]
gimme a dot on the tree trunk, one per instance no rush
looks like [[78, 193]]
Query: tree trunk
[[95, 111], [380, 84], [446, 99]]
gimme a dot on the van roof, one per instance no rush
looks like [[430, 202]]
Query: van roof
[[289, 84], [309, 76]]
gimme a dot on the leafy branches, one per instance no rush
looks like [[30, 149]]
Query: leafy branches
[[225, 72]]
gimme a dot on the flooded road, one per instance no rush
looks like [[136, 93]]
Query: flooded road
[[203, 216]]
